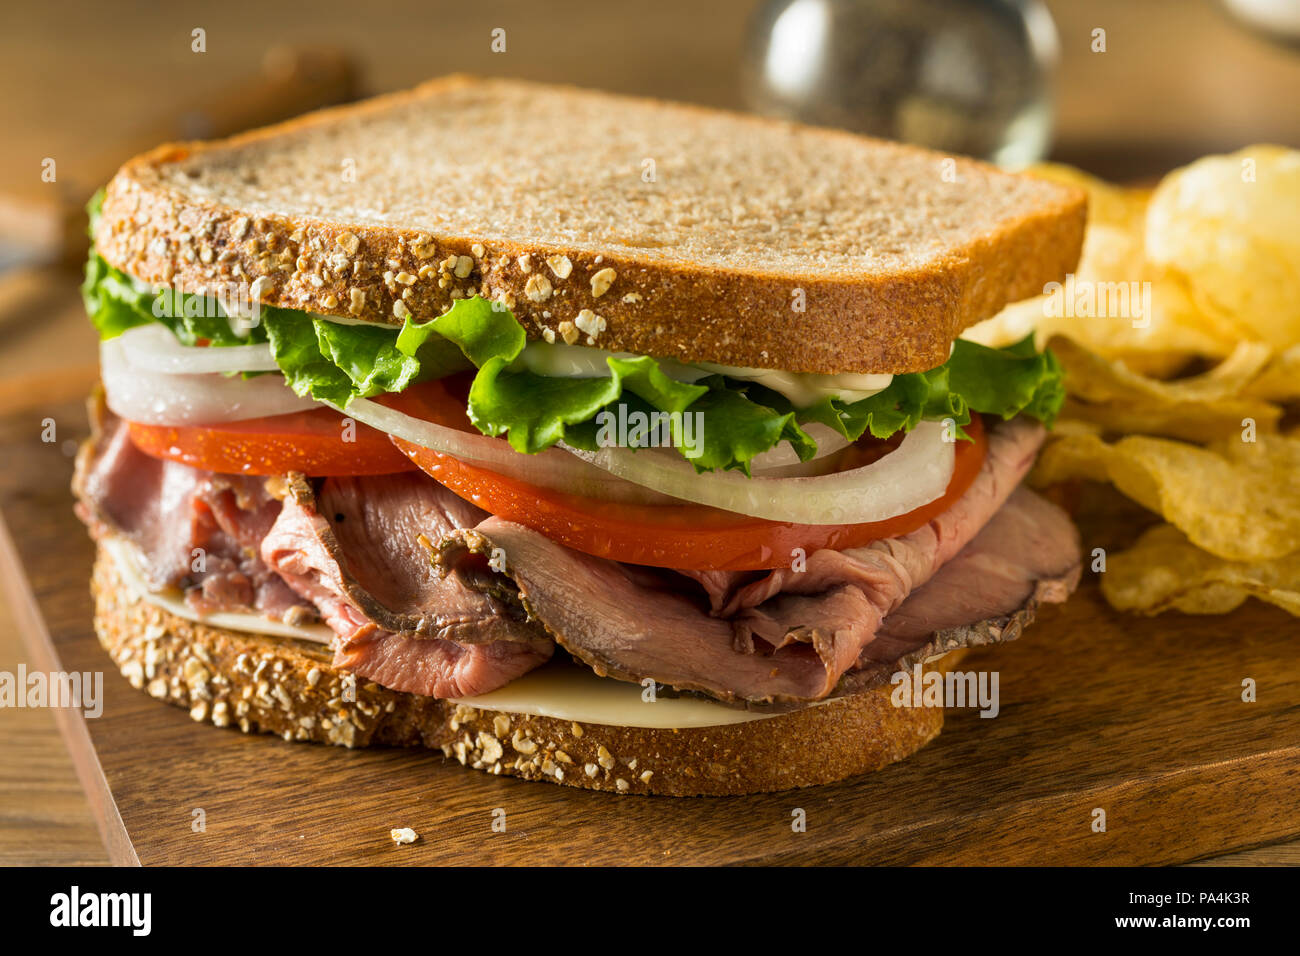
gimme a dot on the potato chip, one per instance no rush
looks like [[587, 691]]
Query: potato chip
[[1206, 266], [1097, 379], [1237, 499], [1114, 261], [1201, 408], [1172, 326], [1194, 423], [1227, 226], [1280, 379], [1161, 365], [1108, 204], [1164, 571], [1112, 242], [1174, 323]]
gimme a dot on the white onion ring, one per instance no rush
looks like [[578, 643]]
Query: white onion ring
[[914, 474], [158, 398], [828, 440], [553, 468], [820, 465], [153, 348]]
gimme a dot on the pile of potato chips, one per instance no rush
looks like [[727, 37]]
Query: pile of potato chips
[[1180, 337]]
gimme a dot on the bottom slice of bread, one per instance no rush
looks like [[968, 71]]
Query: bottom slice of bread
[[276, 685]]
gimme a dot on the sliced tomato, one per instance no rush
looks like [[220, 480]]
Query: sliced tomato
[[685, 536], [318, 442]]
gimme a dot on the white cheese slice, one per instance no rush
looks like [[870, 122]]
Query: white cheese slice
[[806, 388], [568, 692], [128, 567]]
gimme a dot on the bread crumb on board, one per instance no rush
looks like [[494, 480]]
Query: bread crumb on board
[[403, 835]]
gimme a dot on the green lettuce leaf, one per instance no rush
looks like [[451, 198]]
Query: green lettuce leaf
[[482, 330], [196, 319], [1008, 381], [297, 351], [336, 363], [113, 302], [536, 411], [737, 427]]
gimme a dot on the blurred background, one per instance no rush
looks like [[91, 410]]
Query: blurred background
[[1126, 89]]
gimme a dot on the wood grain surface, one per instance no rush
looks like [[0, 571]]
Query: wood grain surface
[[44, 814], [48, 216], [1141, 718]]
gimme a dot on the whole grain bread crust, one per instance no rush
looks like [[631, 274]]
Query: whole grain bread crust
[[262, 684], [896, 321]]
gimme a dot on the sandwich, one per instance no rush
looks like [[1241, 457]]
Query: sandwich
[[601, 441]]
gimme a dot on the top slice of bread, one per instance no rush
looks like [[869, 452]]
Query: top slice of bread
[[628, 224]]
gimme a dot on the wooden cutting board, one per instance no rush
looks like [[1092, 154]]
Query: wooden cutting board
[[1142, 718]]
